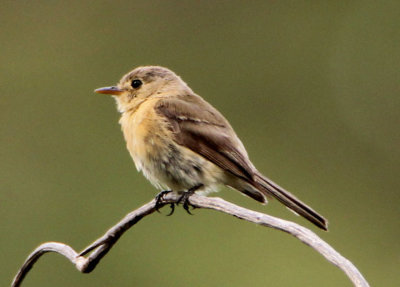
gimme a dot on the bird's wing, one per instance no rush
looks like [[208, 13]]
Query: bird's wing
[[201, 128]]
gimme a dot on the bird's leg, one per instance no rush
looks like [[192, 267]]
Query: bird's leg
[[185, 197], [159, 198]]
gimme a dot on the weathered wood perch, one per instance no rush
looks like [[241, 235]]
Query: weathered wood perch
[[101, 246]]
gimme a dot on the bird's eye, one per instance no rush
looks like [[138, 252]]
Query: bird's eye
[[136, 83]]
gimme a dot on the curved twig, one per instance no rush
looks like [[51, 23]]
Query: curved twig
[[101, 246]]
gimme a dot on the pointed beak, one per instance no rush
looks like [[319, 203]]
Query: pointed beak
[[109, 91]]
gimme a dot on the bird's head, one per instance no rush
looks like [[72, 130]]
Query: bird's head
[[143, 83]]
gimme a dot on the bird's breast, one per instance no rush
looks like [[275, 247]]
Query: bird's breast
[[145, 133], [165, 163]]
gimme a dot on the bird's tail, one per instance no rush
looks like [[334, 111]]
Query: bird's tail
[[268, 188]]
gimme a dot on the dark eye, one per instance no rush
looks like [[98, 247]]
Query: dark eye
[[136, 83]]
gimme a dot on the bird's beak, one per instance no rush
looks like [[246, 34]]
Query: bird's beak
[[109, 91]]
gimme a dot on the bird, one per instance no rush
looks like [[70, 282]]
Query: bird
[[182, 144]]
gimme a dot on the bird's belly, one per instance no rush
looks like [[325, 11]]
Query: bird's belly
[[174, 167], [166, 164]]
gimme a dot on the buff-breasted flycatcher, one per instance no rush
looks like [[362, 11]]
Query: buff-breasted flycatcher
[[182, 143]]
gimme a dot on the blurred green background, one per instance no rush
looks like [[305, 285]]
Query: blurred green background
[[312, 88]]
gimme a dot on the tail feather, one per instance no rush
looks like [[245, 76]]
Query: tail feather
[[268, 188]]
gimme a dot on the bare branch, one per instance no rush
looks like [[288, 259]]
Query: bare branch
[[101, 246]]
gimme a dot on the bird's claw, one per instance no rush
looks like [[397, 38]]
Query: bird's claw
[[185, 198], [172, 205], [159, 199]]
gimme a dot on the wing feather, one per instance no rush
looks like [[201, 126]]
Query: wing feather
[[201, 128]]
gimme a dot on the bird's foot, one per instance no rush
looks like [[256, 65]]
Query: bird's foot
[[185, 198], [159, 198]]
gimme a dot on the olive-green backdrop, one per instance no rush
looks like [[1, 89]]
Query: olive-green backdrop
[[311, 87]]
